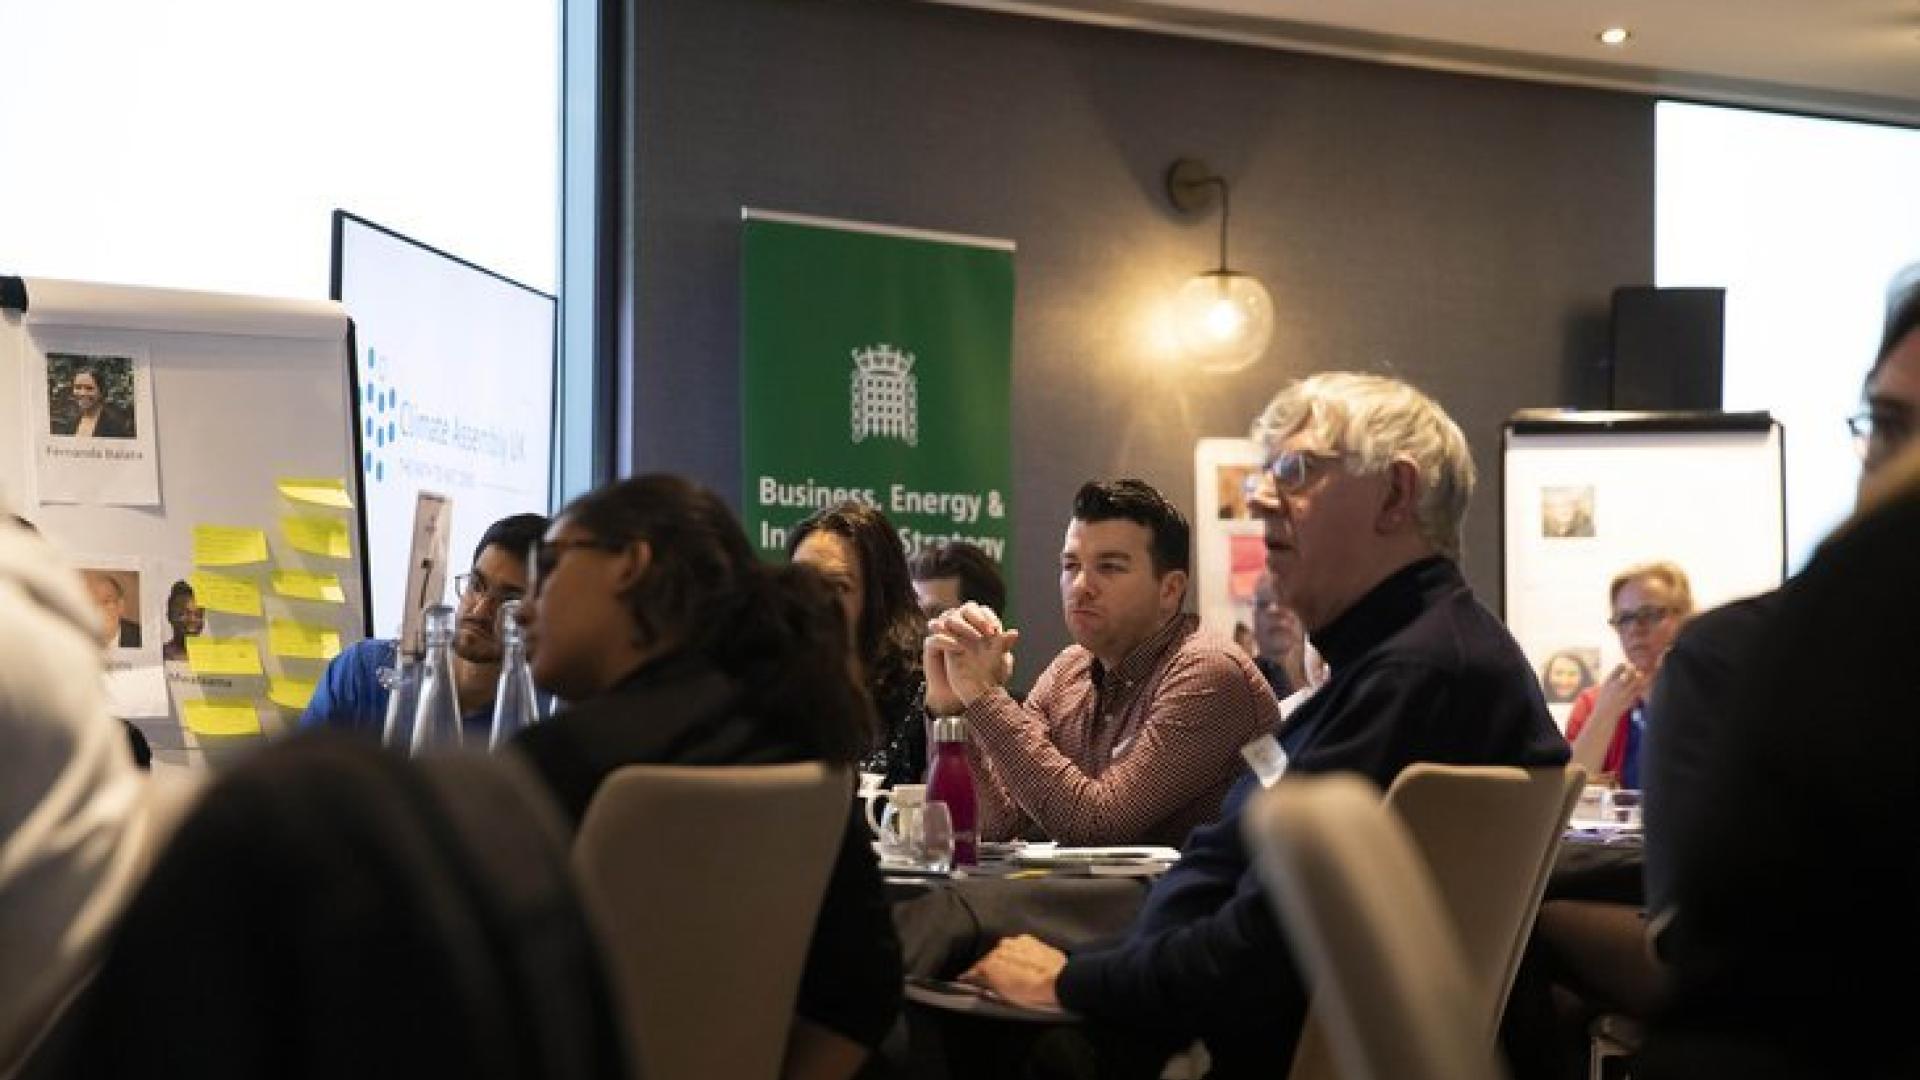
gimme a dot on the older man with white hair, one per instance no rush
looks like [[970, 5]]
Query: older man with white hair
[[1365, 488]]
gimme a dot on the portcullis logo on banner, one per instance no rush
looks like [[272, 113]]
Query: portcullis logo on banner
[[886, 396]]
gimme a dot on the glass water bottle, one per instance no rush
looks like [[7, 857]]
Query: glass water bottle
[[403, 695], [514, 704], [436, 717]]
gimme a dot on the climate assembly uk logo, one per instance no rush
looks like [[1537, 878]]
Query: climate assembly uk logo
[[379, 408], [886, 395]]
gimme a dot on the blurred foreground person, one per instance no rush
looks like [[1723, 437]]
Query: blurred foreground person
[[1793, 925], [650, 614], [79, 823]]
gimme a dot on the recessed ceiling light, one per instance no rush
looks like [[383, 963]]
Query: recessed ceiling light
[[1614, 35]]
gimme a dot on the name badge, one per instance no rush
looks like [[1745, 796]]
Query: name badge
[[1264, 756]]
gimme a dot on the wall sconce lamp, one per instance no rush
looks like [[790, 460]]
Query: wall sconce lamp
[[1224, 318]]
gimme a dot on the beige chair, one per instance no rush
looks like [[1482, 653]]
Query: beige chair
[[1487, 837], [1393, 991], [704, 882], [1490, 836]]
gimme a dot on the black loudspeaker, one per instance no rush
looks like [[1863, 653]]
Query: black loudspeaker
[[1667, 346]]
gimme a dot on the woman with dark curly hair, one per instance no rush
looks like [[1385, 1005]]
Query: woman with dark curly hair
[[673, 644], [858, 551]]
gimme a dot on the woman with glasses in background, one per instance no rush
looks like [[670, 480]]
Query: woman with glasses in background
[[650, 615], [1607, 726]]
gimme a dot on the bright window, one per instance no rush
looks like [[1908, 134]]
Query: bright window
[[1805, 222], [203, 144]]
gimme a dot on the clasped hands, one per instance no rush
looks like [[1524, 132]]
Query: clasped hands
[[967, 653]]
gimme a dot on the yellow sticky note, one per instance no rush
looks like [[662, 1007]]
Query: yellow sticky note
[[224, 592], [223, 656], [302, 641], [290, 693], [318, 536], [301, 585], [221, 716], [319, 491], [223, 545]]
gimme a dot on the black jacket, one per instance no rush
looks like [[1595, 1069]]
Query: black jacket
[[1420, 672]]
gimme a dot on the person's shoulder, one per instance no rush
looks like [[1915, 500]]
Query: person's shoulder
[[1730, 626], [1210, 654], [373, 651], [1072, 662]]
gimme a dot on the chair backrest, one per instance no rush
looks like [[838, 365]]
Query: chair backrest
[[1488, 836], [1393, 989], [705, 882]]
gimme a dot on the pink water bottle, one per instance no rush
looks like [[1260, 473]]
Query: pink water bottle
[[951, 782]]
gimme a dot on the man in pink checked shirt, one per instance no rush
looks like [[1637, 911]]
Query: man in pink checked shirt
[[1133, 734]]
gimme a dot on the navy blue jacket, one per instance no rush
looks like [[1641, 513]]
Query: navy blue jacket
[[1421, 672]]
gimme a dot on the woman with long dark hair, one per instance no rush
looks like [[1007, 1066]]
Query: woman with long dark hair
[[858, 551], [650, 614]]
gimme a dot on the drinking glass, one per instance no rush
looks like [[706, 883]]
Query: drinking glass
[[1623, 806], [933, 844]]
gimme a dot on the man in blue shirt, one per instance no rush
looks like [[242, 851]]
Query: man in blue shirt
[[352, 695]]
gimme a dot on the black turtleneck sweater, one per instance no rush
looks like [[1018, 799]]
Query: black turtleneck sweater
[[1421, 672]]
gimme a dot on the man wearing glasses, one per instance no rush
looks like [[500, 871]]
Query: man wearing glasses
[[1694, 693], [1366, 487], [352, 695]]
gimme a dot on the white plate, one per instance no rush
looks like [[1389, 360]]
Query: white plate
[[1602, 825], [1055, 855]]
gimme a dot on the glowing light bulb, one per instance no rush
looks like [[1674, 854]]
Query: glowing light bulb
[[1224, 319]]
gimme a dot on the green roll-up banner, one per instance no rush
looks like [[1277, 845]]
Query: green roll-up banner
[[876, 365]]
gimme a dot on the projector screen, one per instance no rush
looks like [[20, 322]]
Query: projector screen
[[1805, 222], [454, 375]]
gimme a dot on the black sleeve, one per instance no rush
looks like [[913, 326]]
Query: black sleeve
[[1230, 969], [558, 756], [1690, 699], [1231, 966], [852, 981]]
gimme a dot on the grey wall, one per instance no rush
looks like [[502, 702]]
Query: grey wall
[[1463, 233]]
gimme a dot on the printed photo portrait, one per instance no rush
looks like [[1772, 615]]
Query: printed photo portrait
[[116, 596], [90, 397], [1568, 672], [1231, 483], [1566, 511], [185, 619]]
